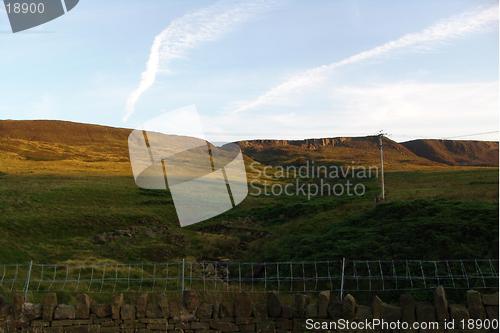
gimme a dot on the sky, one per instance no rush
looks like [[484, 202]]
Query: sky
[[262, 69]]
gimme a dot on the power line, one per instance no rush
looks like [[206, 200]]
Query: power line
[[473, 134], [367, 134]]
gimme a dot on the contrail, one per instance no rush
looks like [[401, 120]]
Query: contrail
[[449, 29], [186, 33]]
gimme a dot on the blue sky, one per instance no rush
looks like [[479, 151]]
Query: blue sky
[[262, 69]]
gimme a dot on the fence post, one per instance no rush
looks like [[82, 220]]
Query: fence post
[[342, 280], [27, 282], [182, 274]]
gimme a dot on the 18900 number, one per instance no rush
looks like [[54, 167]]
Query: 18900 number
[[25, 8]]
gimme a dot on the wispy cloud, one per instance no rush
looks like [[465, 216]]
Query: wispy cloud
[[418, 109], [446, 30], [188, 32], [405, 109]]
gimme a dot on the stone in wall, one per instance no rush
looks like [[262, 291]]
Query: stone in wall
[[163, 304], [425, 312], [128, 312], [323, 303], [407, 303], [300, 303], [382, 310], [490, 299], [334, 307], [242, 313], [154, 308], [259, 310], [273, 305], [475, 305], [49, 303], [64, 311], [312, 310], [141, 305], [458, 312], [82, 308], [17, 303], [116, 305], [349, 307], [206, 310], [364, 312], [490, 302], [441, 304], [243, 305], [190, 300], [226, 309], [174, 309], [101, 310], [286, 311]]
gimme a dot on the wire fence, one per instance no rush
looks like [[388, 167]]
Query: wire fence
[[343, 275]]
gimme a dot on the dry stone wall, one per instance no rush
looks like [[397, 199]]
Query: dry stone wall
[[242, 313]]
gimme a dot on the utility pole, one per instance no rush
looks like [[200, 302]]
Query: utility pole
[[381, 147]]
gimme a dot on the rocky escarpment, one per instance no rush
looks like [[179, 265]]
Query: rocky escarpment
[[309, 144]]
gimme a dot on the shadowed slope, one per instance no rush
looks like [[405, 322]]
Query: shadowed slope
[[456, 152]]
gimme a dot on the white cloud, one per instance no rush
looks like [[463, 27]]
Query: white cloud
[[414, 109], [406, 110], [188, 32], [452, 28]]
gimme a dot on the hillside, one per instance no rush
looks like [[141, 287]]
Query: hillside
[[343, 150], [59, 140], [66, 194], [456, 152], [53, 146], [364, 150]]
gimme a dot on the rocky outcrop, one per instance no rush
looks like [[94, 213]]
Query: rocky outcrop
[[308, 144]]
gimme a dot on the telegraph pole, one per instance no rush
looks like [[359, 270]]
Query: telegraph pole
[[381, 147]]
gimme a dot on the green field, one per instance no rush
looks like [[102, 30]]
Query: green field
[[441, 214]]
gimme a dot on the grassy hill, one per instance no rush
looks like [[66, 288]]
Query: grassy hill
[[50, 146], [67, 194], [73, 145], [58, 131], [356, 150], [456, 152], [417, 154]]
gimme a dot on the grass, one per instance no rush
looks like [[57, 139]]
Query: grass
[[55, 218], [419, 229], [449, 209]]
